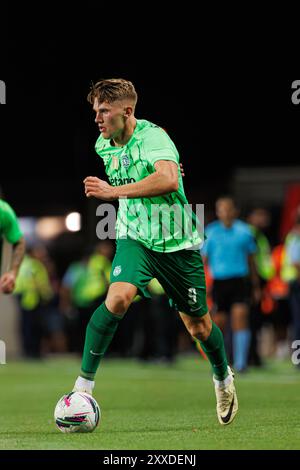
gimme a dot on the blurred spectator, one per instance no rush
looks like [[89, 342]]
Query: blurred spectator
[[291, 273], [259, 220], [276, 303], [159, 327], [85, 285], [106, 249], [33, 291], [73, 298], [54, 340], [229, 249], [128, 340]]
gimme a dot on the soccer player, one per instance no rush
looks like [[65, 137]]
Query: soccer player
[[10, 231], [142, 164]]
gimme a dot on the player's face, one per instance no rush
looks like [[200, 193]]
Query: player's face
[[110, 118]]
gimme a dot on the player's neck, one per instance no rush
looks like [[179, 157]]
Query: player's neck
[[126, 135]]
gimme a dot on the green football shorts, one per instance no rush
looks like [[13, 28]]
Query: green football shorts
[[181, 274]]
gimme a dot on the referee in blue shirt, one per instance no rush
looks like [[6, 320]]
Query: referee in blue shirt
[[229, 249]]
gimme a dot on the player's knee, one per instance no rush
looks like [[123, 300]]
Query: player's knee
[[120, 303], [200, 330]]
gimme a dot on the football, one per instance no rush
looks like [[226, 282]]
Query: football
[[77, 412]]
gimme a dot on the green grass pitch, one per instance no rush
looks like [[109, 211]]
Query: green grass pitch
[[147, 406]]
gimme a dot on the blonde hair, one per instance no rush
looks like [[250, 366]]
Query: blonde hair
[[111, 90]]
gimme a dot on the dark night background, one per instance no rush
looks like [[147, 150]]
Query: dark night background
[[225, 105]]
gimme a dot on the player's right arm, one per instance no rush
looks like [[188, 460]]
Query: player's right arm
[[163, 181]]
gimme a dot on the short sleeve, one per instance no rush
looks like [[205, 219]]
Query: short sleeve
[[159, 146], [10, 224]]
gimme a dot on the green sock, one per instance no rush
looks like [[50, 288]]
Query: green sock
[[99, 333], [214, 348]]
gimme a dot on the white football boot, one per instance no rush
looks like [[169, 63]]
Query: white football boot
[[227, 402], [84, 385]]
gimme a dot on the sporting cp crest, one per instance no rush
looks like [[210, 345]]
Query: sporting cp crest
[[117, 270], [125, 161]]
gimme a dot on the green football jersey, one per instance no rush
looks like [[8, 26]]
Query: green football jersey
[[162, 223]]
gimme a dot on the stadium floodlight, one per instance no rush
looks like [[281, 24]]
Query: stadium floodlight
[[73, 222], [49, 227]]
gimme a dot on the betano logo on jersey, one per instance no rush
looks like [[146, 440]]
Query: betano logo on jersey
[[120, 181]]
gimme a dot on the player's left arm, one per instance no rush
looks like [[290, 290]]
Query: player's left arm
[[163, 181], [8, 279]]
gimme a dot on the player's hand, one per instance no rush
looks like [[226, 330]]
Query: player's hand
[[100, 189], [7, 282], [181, 169]]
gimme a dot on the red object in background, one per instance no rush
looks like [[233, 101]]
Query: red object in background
[[267, 304], [292, 201], [277, 287], [209, 283]]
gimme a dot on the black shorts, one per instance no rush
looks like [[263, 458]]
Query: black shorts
[[231, 291]]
